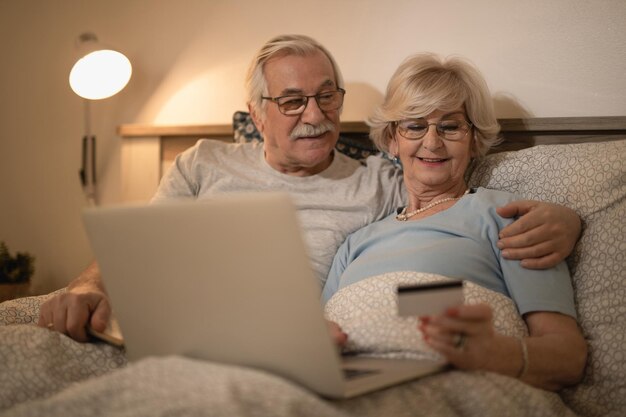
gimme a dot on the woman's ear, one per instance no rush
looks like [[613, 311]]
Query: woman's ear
[[393, 147], [474, 145], [256, 118]]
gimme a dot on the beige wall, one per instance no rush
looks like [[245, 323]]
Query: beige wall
[[541, 58]]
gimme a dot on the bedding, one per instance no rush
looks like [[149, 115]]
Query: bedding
[[68, 378], [367, 312], [45, 373]]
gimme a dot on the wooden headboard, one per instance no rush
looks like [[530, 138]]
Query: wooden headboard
[[148, 150]]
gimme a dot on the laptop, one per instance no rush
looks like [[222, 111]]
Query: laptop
[[228, 280]]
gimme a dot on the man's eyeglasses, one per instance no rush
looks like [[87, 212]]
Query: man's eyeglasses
[[449, 129], [294, 104]]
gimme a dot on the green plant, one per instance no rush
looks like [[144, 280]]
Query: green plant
[[15, 269]]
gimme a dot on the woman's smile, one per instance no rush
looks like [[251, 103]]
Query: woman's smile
[[432, 161]]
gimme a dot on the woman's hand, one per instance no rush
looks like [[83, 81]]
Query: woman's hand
[[339, 337], [464, 335], [555, 356], [542, 236]]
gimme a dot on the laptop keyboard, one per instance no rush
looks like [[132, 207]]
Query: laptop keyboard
[[351, 373]]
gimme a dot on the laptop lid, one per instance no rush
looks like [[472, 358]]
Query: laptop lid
[[226, 280]]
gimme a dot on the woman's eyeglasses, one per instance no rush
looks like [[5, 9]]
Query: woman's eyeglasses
[[449, 129]]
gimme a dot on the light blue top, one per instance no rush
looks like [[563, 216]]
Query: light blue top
[[458, 242]]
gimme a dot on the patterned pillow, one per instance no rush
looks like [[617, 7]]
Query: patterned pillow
[[245, 131], [244, 128], [591, 179], [367, 311]]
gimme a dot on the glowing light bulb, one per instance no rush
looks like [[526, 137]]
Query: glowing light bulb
[[100, 74]]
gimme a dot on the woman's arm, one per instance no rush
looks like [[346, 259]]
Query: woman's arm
[[555, 356], [543, 235], [557, 350]]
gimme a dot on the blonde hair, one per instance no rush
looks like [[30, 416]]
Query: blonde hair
[[283, 45], [426, 82]]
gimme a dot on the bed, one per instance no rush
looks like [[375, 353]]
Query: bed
[[577, 162]]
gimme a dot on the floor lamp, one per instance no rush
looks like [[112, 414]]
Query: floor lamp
[[100, 72]]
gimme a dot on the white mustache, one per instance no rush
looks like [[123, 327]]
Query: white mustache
[[303, 130]]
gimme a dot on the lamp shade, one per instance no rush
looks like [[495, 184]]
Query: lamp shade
[[100, 73]]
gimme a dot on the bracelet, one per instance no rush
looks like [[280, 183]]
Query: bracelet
[[524, 367]]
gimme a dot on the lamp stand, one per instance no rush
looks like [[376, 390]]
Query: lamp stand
[[87, 172]]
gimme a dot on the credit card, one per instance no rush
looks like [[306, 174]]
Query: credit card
[[429, 298]]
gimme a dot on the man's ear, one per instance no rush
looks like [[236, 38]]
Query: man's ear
[[257, 119]]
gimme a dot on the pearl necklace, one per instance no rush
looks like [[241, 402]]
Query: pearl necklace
[[404, 216]]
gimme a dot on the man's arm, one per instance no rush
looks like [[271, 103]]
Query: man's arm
[[85, 302], [542, 236]]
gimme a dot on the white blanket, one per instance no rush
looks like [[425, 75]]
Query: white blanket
[[48, 374], [367, 311]]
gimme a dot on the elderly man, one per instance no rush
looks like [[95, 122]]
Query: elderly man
[[295, 94]]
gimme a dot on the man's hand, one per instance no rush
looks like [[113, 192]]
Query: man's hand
[[84, 303], [543, 236]]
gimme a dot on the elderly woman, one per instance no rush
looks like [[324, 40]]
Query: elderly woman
[[436, 118]]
